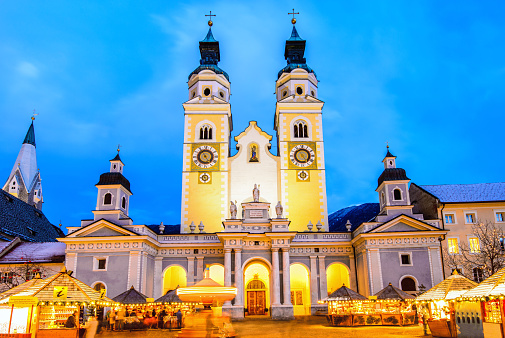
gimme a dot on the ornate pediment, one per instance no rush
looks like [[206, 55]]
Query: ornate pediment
[[102, 228], [404, 223]]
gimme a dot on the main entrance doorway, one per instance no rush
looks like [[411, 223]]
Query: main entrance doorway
[[257, 286], [256, 297]]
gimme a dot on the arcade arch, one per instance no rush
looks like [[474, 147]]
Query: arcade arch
[[257, 287], [300, 289], [174, 276], [337, 274], [216, 272]]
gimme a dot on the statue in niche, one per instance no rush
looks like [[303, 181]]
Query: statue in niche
[[256, 193], [254, 154], [279, 209], [233, 209]]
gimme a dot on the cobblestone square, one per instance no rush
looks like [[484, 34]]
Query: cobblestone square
[[306, 327]]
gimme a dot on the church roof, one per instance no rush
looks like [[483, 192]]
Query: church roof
[[356, 214], [392, 174], [209, 37], [464, 193], [169, 229], [19, 219], [30, 136], [388, 154], [117, 158], [210, 56], [114, 178]]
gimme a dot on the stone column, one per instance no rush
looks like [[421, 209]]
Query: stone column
[[227, 267], [191, 271], [158, 278], [286, 286], [199, 268], [239, 278], [275, 275], [313, 280], [352, 277], [323, 289]]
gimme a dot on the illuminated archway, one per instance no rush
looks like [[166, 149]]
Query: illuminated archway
[[172, 277], [337, 274], [257, 287], [300, 289], [216, 272]]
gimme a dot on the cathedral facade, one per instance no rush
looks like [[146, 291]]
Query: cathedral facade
[[256, 220]]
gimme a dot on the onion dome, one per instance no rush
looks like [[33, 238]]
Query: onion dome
[[210, 56], [293, 53]]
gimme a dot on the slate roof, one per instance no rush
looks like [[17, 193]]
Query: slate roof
[[114, 178], [49, 252], [450, 288], [19, 219], [391, 292], [30, 136], [392, 174], [357, 214], [117, 158], [131, 296], [344, 294], [460, 193], [174, 229]]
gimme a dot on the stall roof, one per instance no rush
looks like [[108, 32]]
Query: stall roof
[[390, 292], [492, 286], [169, 297], [344, 294], [21, 287], [450, 288], [131, 296], [77, 291]]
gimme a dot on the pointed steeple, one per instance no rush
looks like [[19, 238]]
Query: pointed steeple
[[294, 53], [210, 55], [24, 180], [30, 135], [389, 160]]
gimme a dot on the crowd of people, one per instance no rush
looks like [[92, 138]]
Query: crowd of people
[[160, 317]]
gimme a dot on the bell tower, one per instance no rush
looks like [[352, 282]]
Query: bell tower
[[207, 127], [299, 126]]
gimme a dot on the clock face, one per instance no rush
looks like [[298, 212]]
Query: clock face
[[302, 155], [205, 156]]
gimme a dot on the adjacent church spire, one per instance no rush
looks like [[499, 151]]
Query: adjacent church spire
[[24, 180]]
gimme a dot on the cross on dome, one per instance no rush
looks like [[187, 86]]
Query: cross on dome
[[293, 21], [210, 18]]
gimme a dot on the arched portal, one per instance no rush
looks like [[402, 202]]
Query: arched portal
[[257, 288], [173, 277], [216, 272], [300, 289], [337, 274]]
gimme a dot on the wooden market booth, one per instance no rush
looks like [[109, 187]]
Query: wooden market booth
[[438, 305], [489, 296], [173, 303], [44, 305], [133, 300], [390, 306]]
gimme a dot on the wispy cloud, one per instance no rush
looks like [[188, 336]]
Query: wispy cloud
[[28, 69]]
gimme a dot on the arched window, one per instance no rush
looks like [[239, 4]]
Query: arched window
[[300, 129], [206, 132], [99, 286], [408, 284], [107, 199], [123, 203], [397, 194]]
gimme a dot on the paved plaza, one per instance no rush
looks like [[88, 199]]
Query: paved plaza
[[306, 327]]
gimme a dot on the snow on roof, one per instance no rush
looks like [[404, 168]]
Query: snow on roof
[[35, 252]]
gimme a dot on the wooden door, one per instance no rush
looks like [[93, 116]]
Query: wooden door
[[256, 302]]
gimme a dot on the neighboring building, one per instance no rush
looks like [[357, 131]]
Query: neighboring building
[[21, 261], [459, 207], [258, 220]]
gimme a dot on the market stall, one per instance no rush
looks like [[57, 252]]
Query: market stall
[[395, 306], [437, 305], [489, 295], [172, 304], [343, 303], [132, 307], [41, 308]]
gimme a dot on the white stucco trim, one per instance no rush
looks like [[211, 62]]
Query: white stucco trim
[[99, 281], [197, 131]]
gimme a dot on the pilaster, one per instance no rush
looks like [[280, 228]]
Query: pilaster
[[158, 278], [275, 277], [286, 277], [323, 289], [191, 271], [199, 268], [313, 280]]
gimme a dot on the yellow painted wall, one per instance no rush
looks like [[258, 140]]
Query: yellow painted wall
[[216, 119], [174, 276], [216, 272], [304, 203], [204, 202]]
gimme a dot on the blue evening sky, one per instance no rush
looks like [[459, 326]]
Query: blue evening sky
[[427, 76]]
